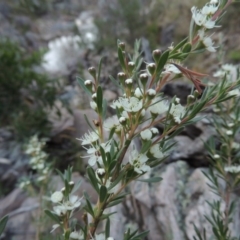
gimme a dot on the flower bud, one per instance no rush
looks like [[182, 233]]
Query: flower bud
[[156, 55], [143, 78], [230, 125], [131, 66], [154, 131], [151, 67], [122, 120], [196, 94], [190, 99], [100, 172], [92, 71], [63, 190], [122, 76], [128, 83], [93, 105], [71, 185], [121, 45], [88, 84], [151, 93], [94, 96], [216, 156], [138, 93], [229, 132], [146, 134]]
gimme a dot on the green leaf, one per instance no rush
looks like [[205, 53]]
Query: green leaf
[[151, 180], [107, 229], [93, 179], [141, 235], [106, 216], [146, 146], [121, 59], [3, 223], [175, 133], [112, 165], [104, 112], [113, 203], [81, 83], [52, 216], [116, 83], [88, 206], [162, 61], [76, 186], [179, 45], [100, 100], [89, 124], [103, 194]]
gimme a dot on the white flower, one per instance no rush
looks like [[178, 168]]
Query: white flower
[[232, 169], [74, 202], [77, 235], [216, 156], [63, 54], [170, 68], [202, 19], [60, 210], [177, 112], [207, 41], [131, 104], [209, 9], [158, 106], [146, 134], [138, 92], [57, 197], [138, 161], [228, 70], [95, 154], [111, 123], [213, 1], [89, 138], [156, 152]]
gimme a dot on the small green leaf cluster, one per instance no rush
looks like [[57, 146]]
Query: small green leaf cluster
[[24, 93]]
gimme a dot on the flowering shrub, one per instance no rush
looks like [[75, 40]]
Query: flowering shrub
[[224, 161], [139, 109]]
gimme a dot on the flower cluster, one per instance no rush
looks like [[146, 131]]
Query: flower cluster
[[63, 54], [230, 72], [205, 19], [38, 158]]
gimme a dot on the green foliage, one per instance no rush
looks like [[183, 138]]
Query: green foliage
[[3, 223], [24, 93], [38, 7]]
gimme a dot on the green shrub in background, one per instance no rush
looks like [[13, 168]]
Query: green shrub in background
[[24, 93]]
